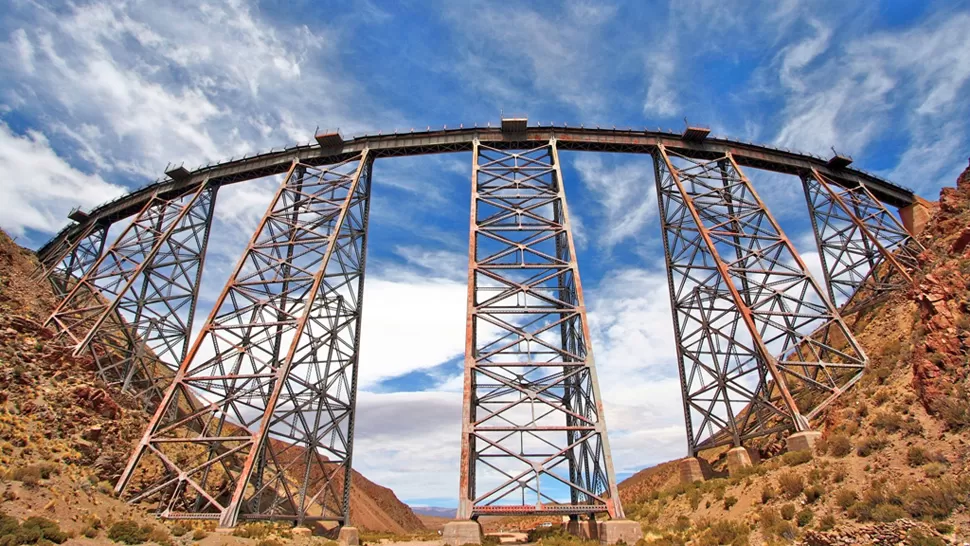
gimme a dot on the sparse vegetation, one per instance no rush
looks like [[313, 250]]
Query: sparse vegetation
[[725, 532], [839, 445], [34, 530], [767, 493], [845, 498], [813, 493], [871, 444], [787, 511], [791, 484], [804, 516], [795, 458], [730, 501], [129, 532]]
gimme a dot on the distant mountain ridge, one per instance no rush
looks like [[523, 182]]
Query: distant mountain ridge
[[435, 511]]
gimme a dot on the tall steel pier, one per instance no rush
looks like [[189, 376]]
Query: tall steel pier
[[253, 419]]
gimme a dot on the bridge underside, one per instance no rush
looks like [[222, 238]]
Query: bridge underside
[[254, 418]]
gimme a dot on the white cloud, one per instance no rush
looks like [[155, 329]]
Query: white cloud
[[410, 325], [625, 192], [907, 83], [39, 187], [137, 85], [514, 53], [661, 99]]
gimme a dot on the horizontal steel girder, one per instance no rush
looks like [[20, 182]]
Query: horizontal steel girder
[[533, 432], [460, 140]]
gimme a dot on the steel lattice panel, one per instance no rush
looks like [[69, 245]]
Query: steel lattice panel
[[265, 398], [74, 260], [865, 252], [144, 335], [90, 302], [534, 438], [761, 349]]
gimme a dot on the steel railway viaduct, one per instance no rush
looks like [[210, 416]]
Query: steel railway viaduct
[[254, 418]]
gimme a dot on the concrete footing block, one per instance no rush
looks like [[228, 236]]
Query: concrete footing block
[[803, 441], [739, 458], [585, 529], [691, 470], [620, 530], [456, 533], [348, 536]]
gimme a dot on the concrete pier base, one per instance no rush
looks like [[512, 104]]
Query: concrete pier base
[[739, 458], [586, 530], [456, 533], [348, 536], [690, 470], [803, 441], [620, 530]]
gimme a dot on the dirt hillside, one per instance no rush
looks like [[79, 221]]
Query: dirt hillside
[[893, 464], [64, 436]]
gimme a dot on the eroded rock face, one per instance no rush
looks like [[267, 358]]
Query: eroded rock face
[[940, 363], [878, 534]]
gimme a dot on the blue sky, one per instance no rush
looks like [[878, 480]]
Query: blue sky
[[97, 97]]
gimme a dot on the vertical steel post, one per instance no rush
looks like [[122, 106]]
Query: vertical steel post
[[529, 370]]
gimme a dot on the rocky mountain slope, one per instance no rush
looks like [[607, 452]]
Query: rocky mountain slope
[[892, 465], [64, 436]]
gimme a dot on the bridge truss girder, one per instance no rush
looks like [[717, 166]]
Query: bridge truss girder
[[73, 258], [133, 308], [266, 396]]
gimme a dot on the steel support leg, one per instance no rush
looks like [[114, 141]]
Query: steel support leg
[[140, 339], [66, 265], [533, 432], [865, 251], [245, 432], [760, 347], [91, 300]]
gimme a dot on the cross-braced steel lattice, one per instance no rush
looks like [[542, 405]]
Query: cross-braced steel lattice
[[533, 432], [865, 251], [760, 347], [90, 302], [142, 336], [258, 422], [74, 258]]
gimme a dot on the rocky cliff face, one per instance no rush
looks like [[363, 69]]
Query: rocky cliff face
[[940, 361]]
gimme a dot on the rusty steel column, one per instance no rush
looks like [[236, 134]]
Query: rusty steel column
[[69, 263], [271, 429], [533, 431], [760, 347], [865, 251]]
